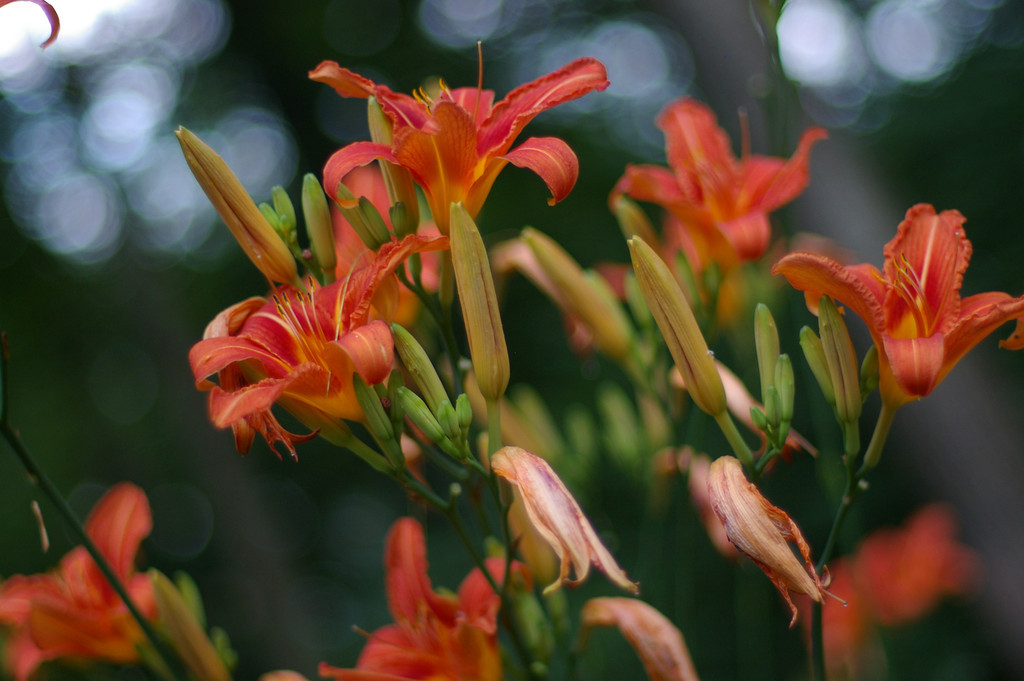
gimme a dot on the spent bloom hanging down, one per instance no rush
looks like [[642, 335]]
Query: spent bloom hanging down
[[763, 532], [300, 346], [73, 612], [655, 639], [557, 517], [718, 204], [912, 307], [456, 142], [435, 636]]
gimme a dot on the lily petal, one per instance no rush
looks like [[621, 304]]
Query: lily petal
[[118, 524], [51, 16], [552, 160], [510, 115]]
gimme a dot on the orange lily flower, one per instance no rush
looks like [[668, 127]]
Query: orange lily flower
[[300, 349], [456, 143], [73, 611], [912, 307], [435, 636], [718, 204], [51, 16]]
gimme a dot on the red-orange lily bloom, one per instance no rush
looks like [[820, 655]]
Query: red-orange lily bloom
[[912, 307], [719, 204], [300, 349], [456, 144], [435, 636], [73, 612]]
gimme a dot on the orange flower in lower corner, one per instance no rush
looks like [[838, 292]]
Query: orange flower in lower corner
[[73, 612], [912, 307], [435, 637]]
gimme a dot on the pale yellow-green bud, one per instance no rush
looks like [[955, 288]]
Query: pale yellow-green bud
[[588, 297], [415, 359], [632, 220], [679, 328], [254, 234], [841, 358], [186, 635], [319, 226], [372, 232], [397, 180], [479, 305], [766, 341], [815, 356]]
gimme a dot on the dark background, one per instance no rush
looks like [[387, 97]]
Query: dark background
[[288, 554]]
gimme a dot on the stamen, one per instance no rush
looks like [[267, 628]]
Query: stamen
[[744, 133], [909, 288], [479, 76]]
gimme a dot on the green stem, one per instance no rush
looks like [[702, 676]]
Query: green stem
[[39, 478], [878, 438], [732, 434], [854, 478]]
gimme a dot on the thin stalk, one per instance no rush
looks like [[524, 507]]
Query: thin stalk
[[854, 478], [39, 478], [736, 441]]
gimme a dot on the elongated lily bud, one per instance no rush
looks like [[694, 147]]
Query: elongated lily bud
[[679, 328], [632, 220], [415, 359], [252, 231], [319, 226], [377, 419], [655, 639], [187, 637], [420, 414], [585, 296], [397, 180], [841, 359], [557, 517], [479, 305], [814, 353], [365, 220], [763, 532], [766, 340]]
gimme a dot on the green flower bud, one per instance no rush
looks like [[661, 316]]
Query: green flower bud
[[449, 421], [377, 419], [351, 209], [869, 373], [815, 356], [319, 226], [766, 342], [415, 359], [420, 414], [841, 359]]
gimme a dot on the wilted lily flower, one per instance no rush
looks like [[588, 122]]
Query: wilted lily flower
[[457, 142], [720, 203], [299, 349], [73, 612], [447, 637], [912, 307], [558, 518], [763, 532], [655, 639]]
